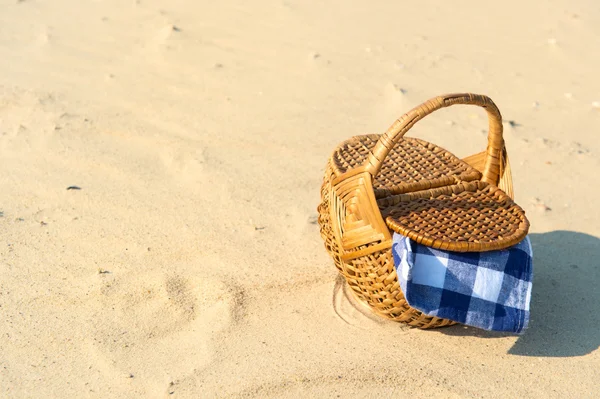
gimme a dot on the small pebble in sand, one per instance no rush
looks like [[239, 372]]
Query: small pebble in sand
[[543, 207], [73, 188], [535, 105], [540, 205], [314, 55], [400, 89], [579, 148], [512, 123]]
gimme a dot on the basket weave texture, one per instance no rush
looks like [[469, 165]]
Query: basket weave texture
[[466, 217], [421, 191]]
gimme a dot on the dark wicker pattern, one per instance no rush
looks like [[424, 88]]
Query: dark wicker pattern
[[467, 217], [411, 165]]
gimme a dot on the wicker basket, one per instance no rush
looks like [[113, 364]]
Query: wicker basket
[[368, 177]]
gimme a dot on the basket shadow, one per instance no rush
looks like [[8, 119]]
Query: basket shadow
[[565, 298]]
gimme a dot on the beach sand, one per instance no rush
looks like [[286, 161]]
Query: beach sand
[[189, 263]]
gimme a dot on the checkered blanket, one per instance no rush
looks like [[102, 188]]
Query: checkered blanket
[[489, 290]]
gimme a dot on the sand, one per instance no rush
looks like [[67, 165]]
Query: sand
[[189, 263]]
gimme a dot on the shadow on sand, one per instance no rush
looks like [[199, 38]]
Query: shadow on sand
[[565, 302]]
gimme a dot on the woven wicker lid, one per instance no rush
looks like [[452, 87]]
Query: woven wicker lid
[[412, 165], [466, 217]]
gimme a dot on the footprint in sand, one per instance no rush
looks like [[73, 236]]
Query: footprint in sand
[[158, 327], [183, 162], [196, 169], [28, 120]]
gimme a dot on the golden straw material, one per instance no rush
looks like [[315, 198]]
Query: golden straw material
[[467, 217], [370, 175]]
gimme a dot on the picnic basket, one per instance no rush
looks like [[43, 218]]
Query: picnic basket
[[381, 182]]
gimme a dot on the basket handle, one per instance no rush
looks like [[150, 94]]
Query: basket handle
[[492, 167]]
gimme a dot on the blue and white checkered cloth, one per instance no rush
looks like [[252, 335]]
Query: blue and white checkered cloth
[[489, 290]]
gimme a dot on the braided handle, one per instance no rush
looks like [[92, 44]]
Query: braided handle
[[492, 167]]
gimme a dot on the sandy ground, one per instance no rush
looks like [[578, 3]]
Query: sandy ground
[[189, 263]]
